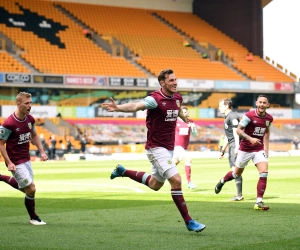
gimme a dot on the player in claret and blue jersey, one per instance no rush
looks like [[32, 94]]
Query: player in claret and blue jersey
[[163, 107], [16, 132], [182, 139], [254, 128]]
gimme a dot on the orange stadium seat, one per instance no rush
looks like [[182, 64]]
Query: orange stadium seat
[[157, 45], [10, 64], [80, 55], [212, 101], [202, 32]]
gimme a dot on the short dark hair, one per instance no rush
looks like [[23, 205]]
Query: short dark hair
[[265, 96], [163, 74], [227, 102]]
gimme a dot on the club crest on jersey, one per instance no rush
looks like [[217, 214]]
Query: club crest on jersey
[[178, 103], [2, 132], [29, 125], [267, 123]]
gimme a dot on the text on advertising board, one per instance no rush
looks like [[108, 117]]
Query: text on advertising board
[[18, 78]]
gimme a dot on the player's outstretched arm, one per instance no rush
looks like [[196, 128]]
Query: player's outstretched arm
[[127, 107]]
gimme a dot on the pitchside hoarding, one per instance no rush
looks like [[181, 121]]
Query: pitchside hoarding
[[102, 112], [18, 78], [232, 85], [48, 79], [186, 84], [36, 111], [85, 112], [128, 82], [86, 80]]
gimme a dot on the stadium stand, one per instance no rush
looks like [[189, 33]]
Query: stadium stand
[[212, 101], [66, 51], [157, 46], [8, 96], [62, 49], [47, 134], [10, 64], [202, 32]]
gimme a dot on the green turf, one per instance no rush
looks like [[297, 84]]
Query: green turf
[[84, 209]]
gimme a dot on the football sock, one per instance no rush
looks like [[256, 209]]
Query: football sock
[[262, 184], [229, 176], [188, 173], [180, 203], [239, 185], [10, 181], [141, 177], [30, 206]]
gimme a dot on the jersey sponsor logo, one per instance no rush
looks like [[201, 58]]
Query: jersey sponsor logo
[[171, 115], [184, 131], [164, 104], [258, 131], [23, 138], [30, 125]]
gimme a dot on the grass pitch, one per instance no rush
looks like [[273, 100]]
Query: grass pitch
[[84, 209]]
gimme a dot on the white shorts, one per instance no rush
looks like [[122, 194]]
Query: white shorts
[[179, 153], [163, 167], [243, 158], [23, 174]]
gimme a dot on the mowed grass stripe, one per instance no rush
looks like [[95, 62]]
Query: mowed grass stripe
[[87, 210]]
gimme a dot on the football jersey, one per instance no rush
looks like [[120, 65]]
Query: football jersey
[[255, 126], [17, 135], [231, 121], [182, 133], [161, 121]]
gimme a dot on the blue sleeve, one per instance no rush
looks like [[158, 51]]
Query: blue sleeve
[[245, 121], [33, 128], [4, 133], [150, 102]]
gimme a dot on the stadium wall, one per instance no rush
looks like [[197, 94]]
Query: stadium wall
[[170, 5], [242, 20]]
